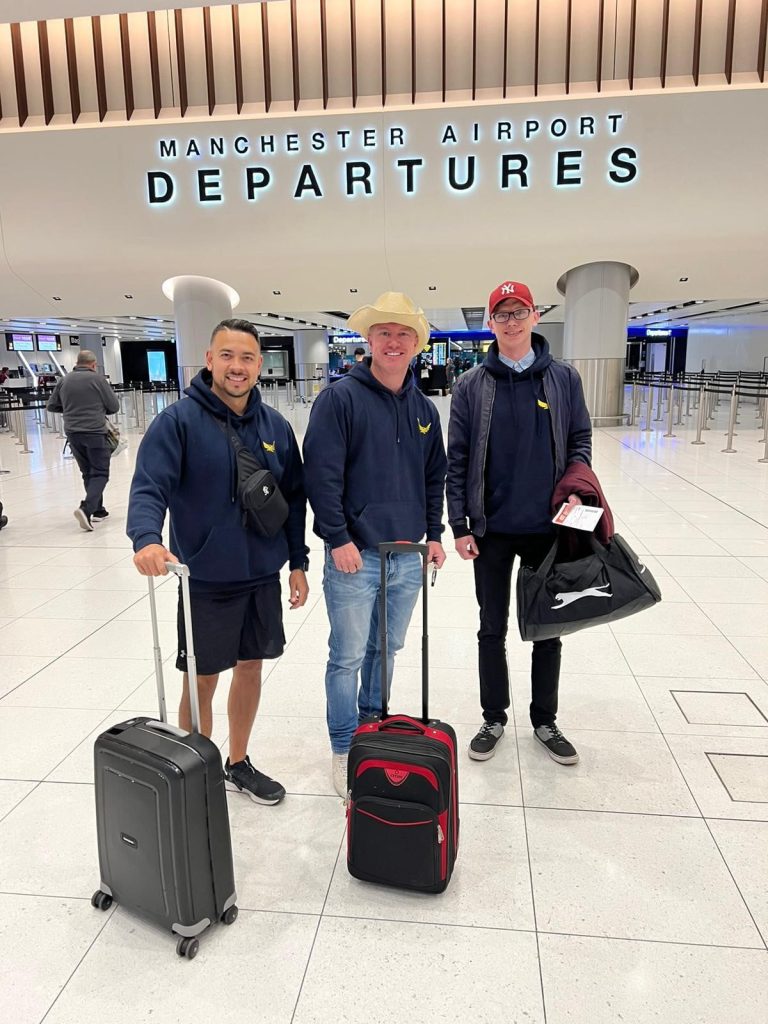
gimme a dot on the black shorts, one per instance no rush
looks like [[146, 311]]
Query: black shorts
[[233, 624]]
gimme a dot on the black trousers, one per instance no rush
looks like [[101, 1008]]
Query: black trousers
[[493, 587], [92, 455]]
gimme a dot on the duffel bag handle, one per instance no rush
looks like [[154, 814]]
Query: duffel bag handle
[[399, 722]]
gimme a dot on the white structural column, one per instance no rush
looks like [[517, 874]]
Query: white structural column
[[595, 336], [311, 353], [92, 343], [199, 303]]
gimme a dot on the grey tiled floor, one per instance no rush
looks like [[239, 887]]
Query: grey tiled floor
[[631, 887]]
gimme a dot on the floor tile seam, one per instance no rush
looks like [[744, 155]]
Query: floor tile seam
[[317, 928], [20, 802], [654, 942], [706, 825], [589, 810], [730, 640], [532, 889], [63, 654], [646, 456], [110, 914]]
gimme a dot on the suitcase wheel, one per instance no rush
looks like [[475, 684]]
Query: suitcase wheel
[[229, 916], [187, 948], [101, 900]]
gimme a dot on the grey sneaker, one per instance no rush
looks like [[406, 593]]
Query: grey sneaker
[[558, 747], [242, 777], [83, 519], [484, 744]]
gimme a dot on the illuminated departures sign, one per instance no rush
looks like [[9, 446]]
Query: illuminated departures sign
[[252, 165]]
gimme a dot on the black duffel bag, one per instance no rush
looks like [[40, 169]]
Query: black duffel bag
[[607, 584]]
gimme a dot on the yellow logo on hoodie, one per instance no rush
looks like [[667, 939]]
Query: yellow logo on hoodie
[[422, 429], [269, 447]]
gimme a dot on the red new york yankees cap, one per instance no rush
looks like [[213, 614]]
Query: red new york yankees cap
[[510, 290]]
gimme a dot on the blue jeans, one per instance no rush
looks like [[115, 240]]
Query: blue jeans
[[352, 600]]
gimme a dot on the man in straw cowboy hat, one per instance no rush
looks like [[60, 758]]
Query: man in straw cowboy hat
[[374, 471]]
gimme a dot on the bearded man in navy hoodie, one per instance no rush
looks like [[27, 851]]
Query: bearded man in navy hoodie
[[186, 465], [375, 472], [516, 423]]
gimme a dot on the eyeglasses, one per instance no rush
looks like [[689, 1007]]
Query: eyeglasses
[[521, 313]]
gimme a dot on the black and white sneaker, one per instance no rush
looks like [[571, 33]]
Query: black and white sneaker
[[84, 520], [100, 515], [558, 747], [242, 777], [484, 744]]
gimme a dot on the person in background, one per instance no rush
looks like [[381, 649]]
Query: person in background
[[517, 422], [86, 399], [375, 472], [359, 355]]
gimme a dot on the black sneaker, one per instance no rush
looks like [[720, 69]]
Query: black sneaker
[[98, 516], [558, 747], [3, 521], [84, 519], [242, 777], [485, 742]]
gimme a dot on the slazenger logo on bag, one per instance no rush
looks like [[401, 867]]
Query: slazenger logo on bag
[[576, 595], [396, 776]]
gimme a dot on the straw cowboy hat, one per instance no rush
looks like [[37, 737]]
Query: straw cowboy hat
[[391, 308]]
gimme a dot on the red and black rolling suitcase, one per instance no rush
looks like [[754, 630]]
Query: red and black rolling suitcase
[[402, 782], [161, 814]]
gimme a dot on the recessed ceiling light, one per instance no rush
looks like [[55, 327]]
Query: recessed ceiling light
[[683, 278], [128, 296], [57, 298], [433, 288], [353, 290], [277, 293]]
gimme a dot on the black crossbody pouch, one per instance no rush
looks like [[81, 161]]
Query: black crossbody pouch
[[265, 510]]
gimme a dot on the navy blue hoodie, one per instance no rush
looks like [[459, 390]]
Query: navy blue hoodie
[[185, 464], [374, 462], [520, 464]]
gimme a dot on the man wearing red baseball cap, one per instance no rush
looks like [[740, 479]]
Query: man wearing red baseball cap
[[517, 421]]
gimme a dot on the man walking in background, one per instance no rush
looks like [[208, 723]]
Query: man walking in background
[[86, 399]]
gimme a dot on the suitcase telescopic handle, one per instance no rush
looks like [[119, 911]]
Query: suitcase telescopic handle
[[182, 571], [404, 548]]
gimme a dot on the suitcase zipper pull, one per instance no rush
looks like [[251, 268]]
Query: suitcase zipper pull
[[440, 835]]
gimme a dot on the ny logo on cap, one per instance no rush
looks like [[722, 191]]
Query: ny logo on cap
[[507, 289]]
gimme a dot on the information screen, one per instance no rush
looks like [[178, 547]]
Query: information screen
[[156, 366], [48, 343], [20, 342]]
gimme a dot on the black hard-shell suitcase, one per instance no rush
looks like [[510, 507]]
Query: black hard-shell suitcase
[[402, 782], [161, 814]]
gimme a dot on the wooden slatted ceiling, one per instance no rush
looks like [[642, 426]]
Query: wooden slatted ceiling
[[600, 30], [632, 33], [295, 56], [98, 63], [238, 55], [474, 49], [444, 51], [383, 22], [154, 63], [45, 70], [210, 81], [761, 43], [74, 82], [413, 51], [536, 50], [125, 49], [181, 61], [324, 50], [697, 42], [729, 41], [265, 50], [568, 26], [664, 44], [506, 47], [18, 73], [353, 44]]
